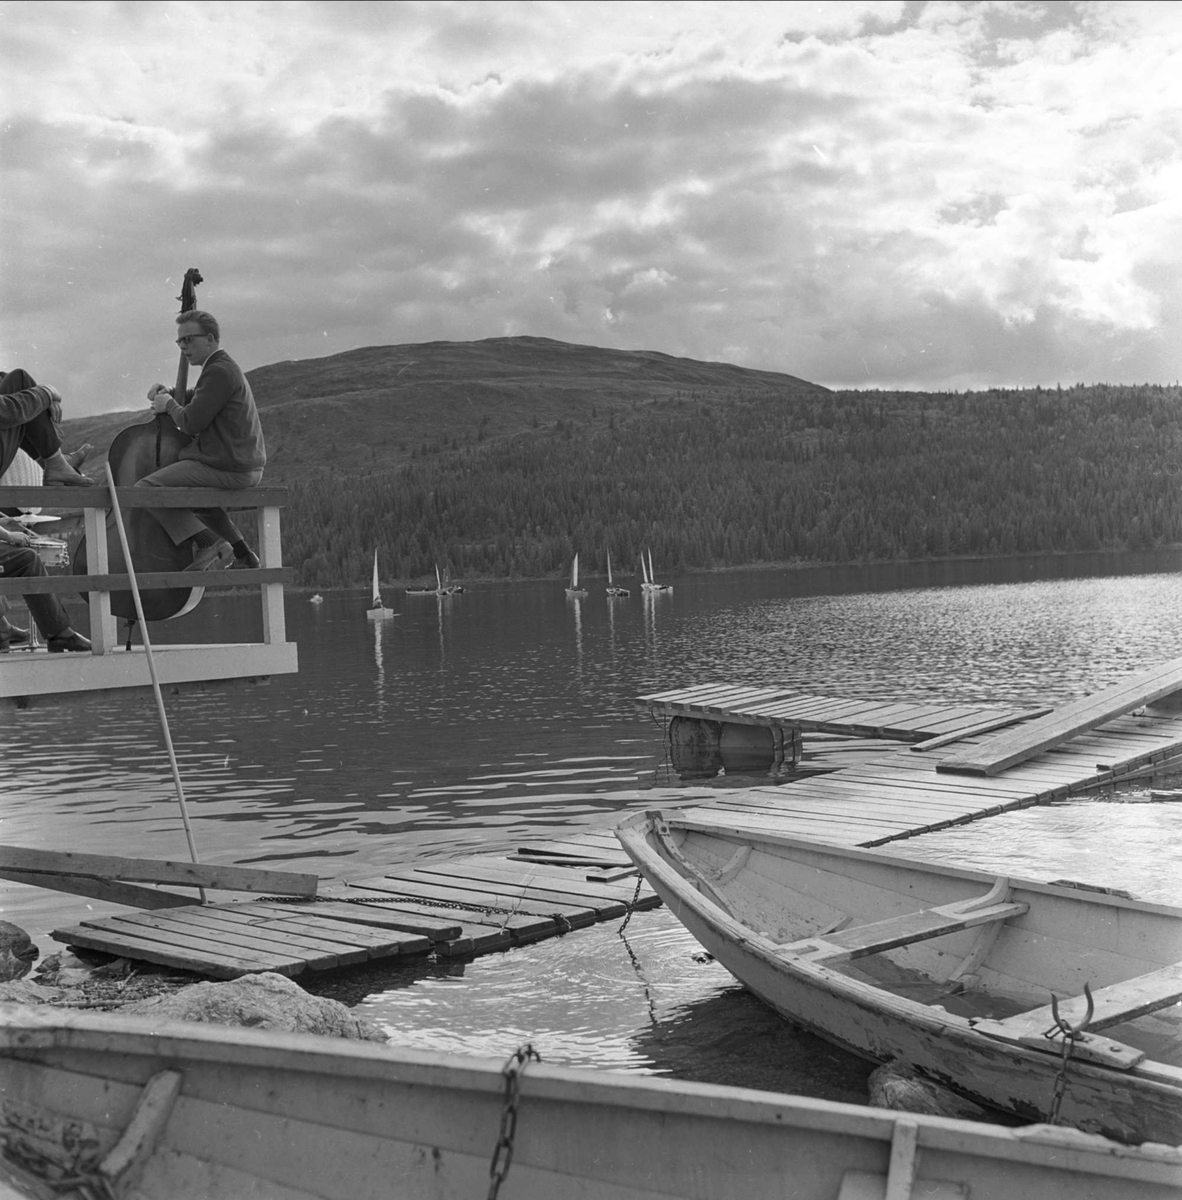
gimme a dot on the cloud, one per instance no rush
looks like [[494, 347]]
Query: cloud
[[920, 196]]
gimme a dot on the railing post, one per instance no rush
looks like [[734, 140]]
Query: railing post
[[103, 630], [271, 555]]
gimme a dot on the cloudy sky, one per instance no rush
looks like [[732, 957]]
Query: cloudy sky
[[881, 194]]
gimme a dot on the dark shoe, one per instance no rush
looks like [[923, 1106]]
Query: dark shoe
[[61, 478], [67, 640], [13, 635], [245, 562], [211, 558], [77, 457]]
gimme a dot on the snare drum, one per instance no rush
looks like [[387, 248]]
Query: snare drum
[[51, 551]]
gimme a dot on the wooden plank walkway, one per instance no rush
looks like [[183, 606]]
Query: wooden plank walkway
[[1015, 746], [897, 720], [487, 902]]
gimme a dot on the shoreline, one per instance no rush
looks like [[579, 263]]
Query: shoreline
[[401, 584]]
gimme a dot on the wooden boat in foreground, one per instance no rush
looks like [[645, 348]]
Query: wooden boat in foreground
[[153, 1111], [953, 972]]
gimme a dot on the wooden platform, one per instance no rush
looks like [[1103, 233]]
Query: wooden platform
[[898, 720], [487, 902], [457, 907]]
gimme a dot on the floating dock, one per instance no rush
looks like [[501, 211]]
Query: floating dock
[[482, 903]]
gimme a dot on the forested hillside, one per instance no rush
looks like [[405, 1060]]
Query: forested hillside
[[502, 458], [728, 481]]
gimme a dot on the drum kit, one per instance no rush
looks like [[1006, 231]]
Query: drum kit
[[53, 552]]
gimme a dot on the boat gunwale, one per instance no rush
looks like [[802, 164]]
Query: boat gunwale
[[30, 1035], [738, 832]]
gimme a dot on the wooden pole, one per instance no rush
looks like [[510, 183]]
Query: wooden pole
[[139, 610]]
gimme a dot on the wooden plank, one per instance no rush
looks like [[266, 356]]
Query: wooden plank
[[1113, 1005], [182, 927], [386, 913], [70, 585], [346, 930], [204, 960], [467, 902], [572, 886], [51, 496], [148, 870], [584, 855], [100, 889], [263, 931], [1016, 746], [540, 899], [886, 795], [123, 1164], [345, 933]]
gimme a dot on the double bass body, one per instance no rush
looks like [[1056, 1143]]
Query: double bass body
[[135, 452]]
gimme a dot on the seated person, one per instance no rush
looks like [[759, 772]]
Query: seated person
[[227, 449], [17, 560], [30, 420]]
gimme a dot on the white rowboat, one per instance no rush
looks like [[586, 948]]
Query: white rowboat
[[951, 972], [155, 1111]]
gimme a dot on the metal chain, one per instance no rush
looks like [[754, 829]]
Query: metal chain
[[631, 905], [386, 898], [1061, 1081], [1070, 1035], [503, 1153]]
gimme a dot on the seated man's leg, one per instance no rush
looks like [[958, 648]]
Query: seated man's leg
[[192, 524], [179, 523], [47, 611], [39, 438]]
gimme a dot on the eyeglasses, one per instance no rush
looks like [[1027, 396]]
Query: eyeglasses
[[184, 341]]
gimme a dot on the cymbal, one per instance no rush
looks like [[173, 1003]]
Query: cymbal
[[31, 519]]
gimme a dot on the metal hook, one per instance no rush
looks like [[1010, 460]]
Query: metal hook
[[1065, 1027]]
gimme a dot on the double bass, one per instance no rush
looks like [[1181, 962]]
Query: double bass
[[135, 452]]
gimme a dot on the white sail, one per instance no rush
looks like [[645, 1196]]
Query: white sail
[[377, 591], [574, 574], [609, 568]]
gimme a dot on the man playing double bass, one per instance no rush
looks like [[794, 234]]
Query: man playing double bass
[[30, 420], [227, 449]]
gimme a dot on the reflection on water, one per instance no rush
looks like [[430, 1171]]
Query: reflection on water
[[480, 720]]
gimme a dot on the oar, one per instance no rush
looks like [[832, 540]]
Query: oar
[[139, 612]]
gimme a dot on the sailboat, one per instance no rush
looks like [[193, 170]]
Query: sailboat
[[377, 610], [650, 583], [440, 589], [613, 589], [574, 589]]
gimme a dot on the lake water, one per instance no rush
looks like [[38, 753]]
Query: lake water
[[506, 712]]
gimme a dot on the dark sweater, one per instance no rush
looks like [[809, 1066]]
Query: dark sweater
[[19, 408], [220, 413]]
